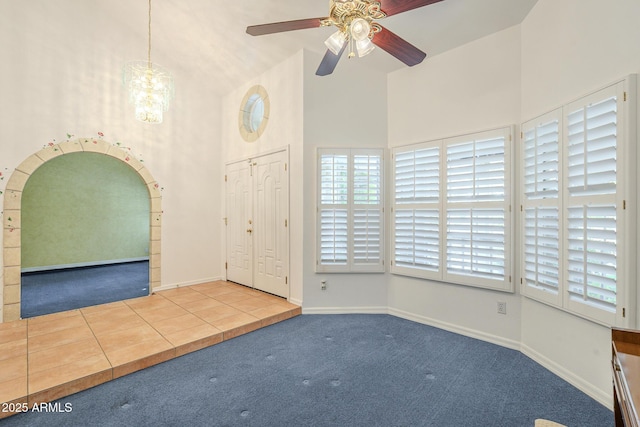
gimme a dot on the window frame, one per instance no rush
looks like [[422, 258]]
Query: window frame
[[443, 206], [351, 265], [406, 270], [539, 292], [624, 199]]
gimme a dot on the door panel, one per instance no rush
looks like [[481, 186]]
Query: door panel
[[271, 225], [239, 241], [257, 223]]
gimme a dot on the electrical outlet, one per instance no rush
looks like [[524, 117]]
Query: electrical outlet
[[323, 285], [502, 307]]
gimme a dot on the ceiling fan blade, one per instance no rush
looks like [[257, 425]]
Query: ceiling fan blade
[[393, 7], [329, 62], [279, 27], [398, 47]]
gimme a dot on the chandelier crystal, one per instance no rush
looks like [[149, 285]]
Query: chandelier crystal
[[150, 86]]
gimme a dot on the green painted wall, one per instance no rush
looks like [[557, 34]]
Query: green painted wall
[[84, 208]]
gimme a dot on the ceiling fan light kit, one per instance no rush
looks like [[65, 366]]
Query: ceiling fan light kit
[[357, 29], [335, 42], [364, 47]]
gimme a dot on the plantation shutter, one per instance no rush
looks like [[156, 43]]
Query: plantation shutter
[[417, 239], [592, 138], [592, 186], [476, 212], [416, 212], [475, 171], [577, 177], [475, 242], [451, 211], [334, 231], [593, 255], [417, 176], [541, 248], [350, 210], [367, 209], [541, 160], [541, 198]]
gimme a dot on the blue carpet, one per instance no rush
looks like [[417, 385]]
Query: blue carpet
[[335, 370], [67, 289]]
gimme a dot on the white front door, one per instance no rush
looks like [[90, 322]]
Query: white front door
[[239, 242], [257, 223], [271, 231]]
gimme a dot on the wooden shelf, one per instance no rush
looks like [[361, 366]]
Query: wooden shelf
[[625, 362]]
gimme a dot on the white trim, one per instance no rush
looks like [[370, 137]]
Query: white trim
[[344, 310], [444, 206], [257, 155], [471, 333], [189, 283], [604, 398], [285, 152], [296, 301], [624, 91], [349, 208], [84, 264]]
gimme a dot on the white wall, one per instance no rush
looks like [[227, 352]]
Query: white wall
[[307, 112], [60, 72], [346, 109], [561, 51], [472, 88], [570, 48], [284, 86]]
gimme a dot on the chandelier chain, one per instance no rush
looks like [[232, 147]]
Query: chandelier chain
[[149, 50]]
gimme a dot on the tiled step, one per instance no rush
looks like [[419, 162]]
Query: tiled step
[[48, 357]]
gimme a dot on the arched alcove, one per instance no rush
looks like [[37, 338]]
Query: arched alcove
[[13, 204]]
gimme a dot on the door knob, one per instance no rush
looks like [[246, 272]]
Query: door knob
[[249, 230]]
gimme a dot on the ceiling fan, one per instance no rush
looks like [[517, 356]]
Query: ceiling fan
[[357, 29]]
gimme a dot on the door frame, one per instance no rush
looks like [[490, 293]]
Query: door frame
[[286, 151]]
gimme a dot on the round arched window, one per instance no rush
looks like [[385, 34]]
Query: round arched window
[[254, 113]]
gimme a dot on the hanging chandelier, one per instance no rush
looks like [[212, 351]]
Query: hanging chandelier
[[150, 86]]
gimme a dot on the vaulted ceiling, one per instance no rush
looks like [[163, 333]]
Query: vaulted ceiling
[[213, 32], [207, 37]]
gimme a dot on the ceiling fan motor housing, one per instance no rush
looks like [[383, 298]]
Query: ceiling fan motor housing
[[343, 12]]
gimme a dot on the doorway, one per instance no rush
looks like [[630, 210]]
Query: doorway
[[11, 284], [85, 234], [257, 223]]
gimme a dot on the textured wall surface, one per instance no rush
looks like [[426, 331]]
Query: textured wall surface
[[83, 208]]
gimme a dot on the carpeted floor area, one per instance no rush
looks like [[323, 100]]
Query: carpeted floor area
[[53, 291], [334, 370]]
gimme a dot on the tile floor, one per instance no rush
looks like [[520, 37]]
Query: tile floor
[[48, 357]]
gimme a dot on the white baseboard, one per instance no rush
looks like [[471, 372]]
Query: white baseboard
[[296, 301], [189, 283], [604, 397], [601, 396], [472, 333], [344, 310]]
